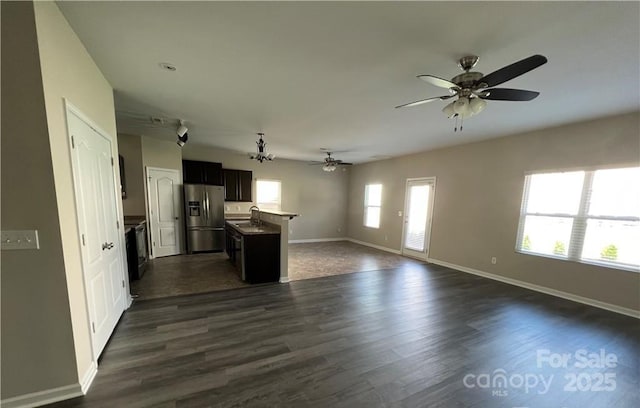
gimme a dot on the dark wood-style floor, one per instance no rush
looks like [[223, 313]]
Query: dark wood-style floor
[[208, 272], [415, 336]]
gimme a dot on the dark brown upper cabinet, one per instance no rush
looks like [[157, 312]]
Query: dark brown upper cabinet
[[237, 185], [199, 172]]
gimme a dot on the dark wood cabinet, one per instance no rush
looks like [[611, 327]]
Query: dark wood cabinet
[[237, 185], [231, 187], [244, 182], [256, 257], [199, 172], [192, 172], [261, 257]]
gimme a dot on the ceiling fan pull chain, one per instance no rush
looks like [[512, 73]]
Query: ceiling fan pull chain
[[455, 129], [461, 123]]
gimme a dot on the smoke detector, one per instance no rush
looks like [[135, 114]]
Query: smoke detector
[[167, 66]]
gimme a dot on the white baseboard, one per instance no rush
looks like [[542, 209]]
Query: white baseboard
[[88, 377], [393, 251], [284, 280], [307, 241], [543, 289], [36, 399]]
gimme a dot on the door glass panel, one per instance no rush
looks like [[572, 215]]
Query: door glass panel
[[417, 218]]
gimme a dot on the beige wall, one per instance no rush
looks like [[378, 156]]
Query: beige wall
[[68, 72], [319, 197], [478, 196], [37, 337], [161, 153], [130, 147]]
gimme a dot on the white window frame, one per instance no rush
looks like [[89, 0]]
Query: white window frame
[[269, 205], [367, 206], [579, 227]]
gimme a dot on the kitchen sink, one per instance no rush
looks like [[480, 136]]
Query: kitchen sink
[[249, 227]]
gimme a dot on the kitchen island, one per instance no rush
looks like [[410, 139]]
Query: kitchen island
[[254, 250], [272, 223]]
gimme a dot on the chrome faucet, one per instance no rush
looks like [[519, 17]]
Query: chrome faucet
[[255, 207]]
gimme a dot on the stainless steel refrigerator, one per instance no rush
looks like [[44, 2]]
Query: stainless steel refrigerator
[[204, 208]]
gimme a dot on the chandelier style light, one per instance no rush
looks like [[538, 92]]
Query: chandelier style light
[[261, 154]]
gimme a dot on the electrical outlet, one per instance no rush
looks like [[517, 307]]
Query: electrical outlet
[[399, 213], [339, 229], [494, 260], [386, 238]]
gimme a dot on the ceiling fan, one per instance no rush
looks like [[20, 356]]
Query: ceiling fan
[[473, 89], [331, 164]]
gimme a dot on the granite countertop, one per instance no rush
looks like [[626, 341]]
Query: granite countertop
[[131, 222], [280, 213], [245, 228]]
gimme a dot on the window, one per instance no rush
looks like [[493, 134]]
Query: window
[[372, 204], [268, 194], [585, 216]]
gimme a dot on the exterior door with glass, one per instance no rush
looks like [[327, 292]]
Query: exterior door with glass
[[418, 210]]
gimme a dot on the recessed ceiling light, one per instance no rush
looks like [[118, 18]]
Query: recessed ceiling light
[[168, 66]]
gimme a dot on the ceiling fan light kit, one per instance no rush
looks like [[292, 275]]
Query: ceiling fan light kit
[[330, 164], [470, 87]]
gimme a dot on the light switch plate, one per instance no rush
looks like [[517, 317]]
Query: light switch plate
[[25, 239]]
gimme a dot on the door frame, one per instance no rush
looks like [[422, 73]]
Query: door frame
[[432, 197], [180, 226], [70, 108]]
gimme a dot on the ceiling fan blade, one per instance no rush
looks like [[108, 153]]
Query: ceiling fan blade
[[506, 94], [345, 164], [420, 102], [312, 163], [511, 71], [434, 80]]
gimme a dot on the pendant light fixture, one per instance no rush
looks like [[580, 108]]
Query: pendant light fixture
[[261, 154]]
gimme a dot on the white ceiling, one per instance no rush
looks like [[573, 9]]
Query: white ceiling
[[317, 75]]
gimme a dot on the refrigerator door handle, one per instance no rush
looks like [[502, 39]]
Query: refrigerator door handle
[[205, 205], [208, 208]]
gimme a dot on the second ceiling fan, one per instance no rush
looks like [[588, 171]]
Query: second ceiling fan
[[330, 164], [473, 89]]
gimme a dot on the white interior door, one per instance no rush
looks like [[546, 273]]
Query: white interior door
[[164, 211], [102, 253], [418, 210]]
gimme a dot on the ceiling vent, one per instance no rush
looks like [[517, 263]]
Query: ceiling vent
[[157, 121]]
